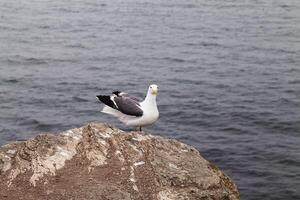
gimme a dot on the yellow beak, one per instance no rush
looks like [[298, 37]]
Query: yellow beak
[[154, 92]]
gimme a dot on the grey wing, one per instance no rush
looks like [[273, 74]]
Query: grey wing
[[128, 106], [123, 94], [135, 99]]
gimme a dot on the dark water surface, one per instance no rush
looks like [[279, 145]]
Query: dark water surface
[[228, 72]]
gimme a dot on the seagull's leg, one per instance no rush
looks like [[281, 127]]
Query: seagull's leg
[[140, 128]]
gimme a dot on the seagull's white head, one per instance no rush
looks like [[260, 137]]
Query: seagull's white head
[[153, 89]]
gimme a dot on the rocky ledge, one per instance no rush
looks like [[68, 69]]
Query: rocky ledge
[[98, 161]]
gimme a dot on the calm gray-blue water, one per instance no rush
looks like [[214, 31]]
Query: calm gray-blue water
[[228, 73]]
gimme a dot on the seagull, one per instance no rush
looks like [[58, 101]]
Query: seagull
[[131, 110]]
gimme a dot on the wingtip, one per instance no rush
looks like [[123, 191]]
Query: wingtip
[[99, 97], [116, 92], [106, 100]]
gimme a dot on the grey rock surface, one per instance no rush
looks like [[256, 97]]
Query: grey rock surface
[[98, 161]]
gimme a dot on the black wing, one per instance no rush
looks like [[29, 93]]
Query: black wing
[[128, 106], [123, 104], [107, 101]]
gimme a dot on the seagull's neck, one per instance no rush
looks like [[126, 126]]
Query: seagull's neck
[[150, 99]]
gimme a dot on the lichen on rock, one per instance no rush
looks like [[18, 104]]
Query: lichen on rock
[[98, 161]]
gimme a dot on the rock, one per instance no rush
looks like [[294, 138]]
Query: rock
[[98, 161]]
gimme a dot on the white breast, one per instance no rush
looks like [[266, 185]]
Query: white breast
[[150, 115]]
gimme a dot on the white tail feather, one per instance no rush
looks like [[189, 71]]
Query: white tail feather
[[111, 111]]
